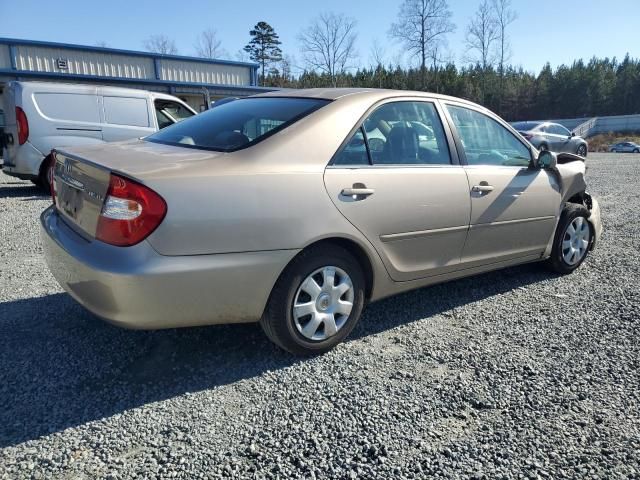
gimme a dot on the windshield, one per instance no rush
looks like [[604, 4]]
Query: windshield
[[237, 124]]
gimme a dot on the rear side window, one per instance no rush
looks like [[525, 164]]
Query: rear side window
[[126, 111], [237, 124], [71, 107], [485, 141], [398, 133]]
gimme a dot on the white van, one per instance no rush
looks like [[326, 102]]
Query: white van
[[40, 116]]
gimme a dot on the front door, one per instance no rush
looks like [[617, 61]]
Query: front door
[[514, 207], [395, 181]]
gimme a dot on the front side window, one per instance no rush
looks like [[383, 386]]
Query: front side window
[[485, 141], [238, 124], [559, 130]]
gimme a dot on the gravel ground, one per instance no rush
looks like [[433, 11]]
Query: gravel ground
[[514, 374]]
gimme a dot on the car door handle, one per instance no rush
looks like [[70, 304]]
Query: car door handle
[[350, 192], [482, 188]]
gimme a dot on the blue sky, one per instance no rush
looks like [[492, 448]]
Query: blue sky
[[558, 31]]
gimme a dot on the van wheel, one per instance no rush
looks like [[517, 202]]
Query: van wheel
[[316, 302], [572, 239]]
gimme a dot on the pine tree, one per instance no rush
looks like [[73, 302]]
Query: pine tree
[[263, 47]]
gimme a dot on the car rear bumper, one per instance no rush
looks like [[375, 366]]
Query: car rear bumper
[[135, 287]]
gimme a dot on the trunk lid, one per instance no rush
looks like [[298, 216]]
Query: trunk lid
[[81, 187], [81, 175]]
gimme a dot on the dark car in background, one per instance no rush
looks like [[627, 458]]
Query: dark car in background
[[552, 136], [625, 147]]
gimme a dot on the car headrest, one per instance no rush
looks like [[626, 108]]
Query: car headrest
[[402, 144]]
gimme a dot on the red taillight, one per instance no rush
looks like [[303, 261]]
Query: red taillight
[[130, 212], [51, 169], [23, 126]]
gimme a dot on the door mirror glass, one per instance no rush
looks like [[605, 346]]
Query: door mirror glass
[[547, 160]]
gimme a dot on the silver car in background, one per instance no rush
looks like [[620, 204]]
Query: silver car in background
[[625, 147], [553, 137], [296, 209]]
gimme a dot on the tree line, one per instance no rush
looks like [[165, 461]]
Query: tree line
[[329, 58]]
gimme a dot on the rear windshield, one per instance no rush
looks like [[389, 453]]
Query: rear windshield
[[524, 126], [237, 124]]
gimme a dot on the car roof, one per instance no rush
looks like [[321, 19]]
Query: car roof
[[374, 93]]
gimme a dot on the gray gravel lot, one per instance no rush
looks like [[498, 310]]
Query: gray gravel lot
[[514, 374]]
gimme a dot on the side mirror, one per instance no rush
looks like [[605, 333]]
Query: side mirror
[[547, 159], [573, 134]]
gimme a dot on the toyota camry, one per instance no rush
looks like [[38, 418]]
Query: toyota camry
[[296, 209]]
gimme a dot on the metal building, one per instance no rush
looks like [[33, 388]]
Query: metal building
[[192, 79]]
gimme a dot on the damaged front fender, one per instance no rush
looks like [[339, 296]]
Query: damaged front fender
[[570, 170]]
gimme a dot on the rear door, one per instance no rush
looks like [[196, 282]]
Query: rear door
[[513, 207], [10, 128], [396, 180]]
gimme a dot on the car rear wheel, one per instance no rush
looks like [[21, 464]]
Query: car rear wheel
[[582, 150], [572, 239], [316, 302], [43, 176]]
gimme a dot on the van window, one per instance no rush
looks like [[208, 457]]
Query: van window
[[72, 107], [126, 111], [168, 113]]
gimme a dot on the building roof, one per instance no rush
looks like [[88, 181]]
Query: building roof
[[22, 59]]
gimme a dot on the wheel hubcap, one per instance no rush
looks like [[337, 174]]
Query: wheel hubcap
[[323, 302], [576, 241]]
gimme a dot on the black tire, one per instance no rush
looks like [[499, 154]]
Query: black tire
[[636, 151], [556, 261], [278, 321], [43, 176], [582, 150]]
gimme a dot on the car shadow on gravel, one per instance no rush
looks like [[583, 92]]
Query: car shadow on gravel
[[22, 190], [62, 367]]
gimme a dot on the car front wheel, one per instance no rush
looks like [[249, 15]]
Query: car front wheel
[[572, 239], [582, 150], [316, 302]]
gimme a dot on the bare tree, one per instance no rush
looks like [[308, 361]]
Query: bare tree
[[160, 44], [482, 33], [242, 56], [377, 54], [421, 25], [438, 54], [504, 16], [208, 45], [102, 44], [328, 44]]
